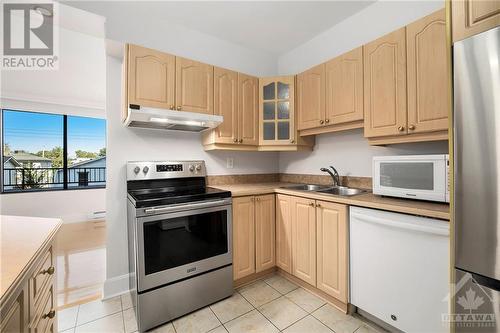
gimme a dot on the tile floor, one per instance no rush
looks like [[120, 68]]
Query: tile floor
[[272, 304]]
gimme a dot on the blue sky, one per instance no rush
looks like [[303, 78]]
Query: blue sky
[[33, 132]]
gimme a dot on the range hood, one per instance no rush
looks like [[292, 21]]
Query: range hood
[[144, 117]]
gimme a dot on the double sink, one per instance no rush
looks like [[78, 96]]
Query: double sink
[[324, 189]]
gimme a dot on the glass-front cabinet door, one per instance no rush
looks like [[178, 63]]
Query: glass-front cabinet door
[[277, 123]]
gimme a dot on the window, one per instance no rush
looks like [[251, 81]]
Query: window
[[43, 151]]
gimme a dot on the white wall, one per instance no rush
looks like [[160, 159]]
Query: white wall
[[71, 206], [374, 21], [350, 154], [76, 88], [349, 151]]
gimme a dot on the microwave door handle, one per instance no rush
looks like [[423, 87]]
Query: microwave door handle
[[204, 204]]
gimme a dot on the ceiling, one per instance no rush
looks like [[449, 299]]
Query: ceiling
[[274, 27]]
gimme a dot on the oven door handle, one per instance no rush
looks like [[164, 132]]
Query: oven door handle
[[204, 204]]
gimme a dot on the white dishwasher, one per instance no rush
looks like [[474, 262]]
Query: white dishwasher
[[399, 267]]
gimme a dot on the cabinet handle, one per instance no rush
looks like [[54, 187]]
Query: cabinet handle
[[179, 108], [318, 205], [321, 121], [49, 270], [172, 107], [411, 127], [51, 314], [292, 141], [235, 140], [240, 141], [311, 204], [401, 128], [327, 121]]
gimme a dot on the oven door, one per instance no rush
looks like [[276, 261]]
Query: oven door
[[183, 243]]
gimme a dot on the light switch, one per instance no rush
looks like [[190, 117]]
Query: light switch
[[229, 162]]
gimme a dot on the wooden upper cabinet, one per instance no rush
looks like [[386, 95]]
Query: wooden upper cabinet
[[151, 77], [471, 17], [427, 74], [311, 98], [332, 249], [264, 232], [385, 85], [243, 237], [226, 104], [248, 109], [284, 232], [304, 240], [194, 86], [344, 88]]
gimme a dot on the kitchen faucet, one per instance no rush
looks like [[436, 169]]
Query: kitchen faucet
[[334, 174]]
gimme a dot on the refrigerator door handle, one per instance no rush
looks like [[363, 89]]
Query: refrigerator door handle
[[485, 281]]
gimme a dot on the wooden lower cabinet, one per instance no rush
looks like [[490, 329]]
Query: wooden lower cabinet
[[253, 235], [331, 245], [304, 239], [30, 306], [264, 232], [284, 232], [243, 237]]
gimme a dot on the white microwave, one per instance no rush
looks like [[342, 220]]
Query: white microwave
[[421, 177]]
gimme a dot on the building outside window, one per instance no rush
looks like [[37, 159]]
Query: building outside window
[[43, 151]]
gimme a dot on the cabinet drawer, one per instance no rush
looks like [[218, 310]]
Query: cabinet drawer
[[41, 277], [45, 318]]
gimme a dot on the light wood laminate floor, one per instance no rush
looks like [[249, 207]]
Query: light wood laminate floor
[[81, 262]]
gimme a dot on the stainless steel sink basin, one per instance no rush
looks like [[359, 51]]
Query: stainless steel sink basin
[[343, 191], [307, 187]]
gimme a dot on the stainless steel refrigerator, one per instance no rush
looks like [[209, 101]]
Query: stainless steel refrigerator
[[476, 73]]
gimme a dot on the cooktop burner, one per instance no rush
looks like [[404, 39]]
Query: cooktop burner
[[165, 183]]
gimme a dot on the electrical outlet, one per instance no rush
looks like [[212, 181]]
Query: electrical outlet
[[229, 162]]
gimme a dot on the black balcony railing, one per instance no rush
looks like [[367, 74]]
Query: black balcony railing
[[19, 179]]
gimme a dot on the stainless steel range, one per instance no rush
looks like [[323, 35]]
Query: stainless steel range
[[180, 240]]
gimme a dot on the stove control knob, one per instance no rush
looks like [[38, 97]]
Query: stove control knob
[[136, 170], [145, 169], [191, 168], [198, 167]]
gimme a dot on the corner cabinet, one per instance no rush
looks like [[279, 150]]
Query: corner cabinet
[[471, 17], [277, 123], [406, 84], [253, 235]]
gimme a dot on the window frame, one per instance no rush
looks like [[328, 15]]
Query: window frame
[[65, 158]]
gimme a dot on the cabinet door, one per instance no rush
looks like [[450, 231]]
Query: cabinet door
[[13, 318], [344, 88], [332, 249], [427, 74], [276, 108], [471, 17], [264, 232], [194, 86], [311, 98], [248, 109], [304, 240], [226, 104], [243, 237], [284, 232], [151, 78], [385, 85]]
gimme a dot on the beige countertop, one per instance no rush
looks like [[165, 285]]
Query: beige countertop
[[369, 200], [21, 240]]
